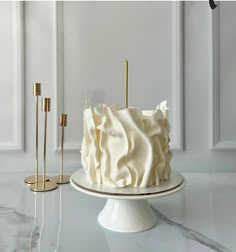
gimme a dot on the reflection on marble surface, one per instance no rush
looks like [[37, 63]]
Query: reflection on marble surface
[[201, 218]]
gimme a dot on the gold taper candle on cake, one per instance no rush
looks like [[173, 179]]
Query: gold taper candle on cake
[[36, 178], [126, 84], [62, 179], [44, 185]]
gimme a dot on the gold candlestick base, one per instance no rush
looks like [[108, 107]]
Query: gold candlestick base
[[38, 187], [60, 179], [32, 179]]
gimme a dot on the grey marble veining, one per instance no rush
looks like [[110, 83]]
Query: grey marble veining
[[16, 232], [201, 218], [192, 234], [26, 240]]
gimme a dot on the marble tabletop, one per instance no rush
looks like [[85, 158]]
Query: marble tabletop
[[200, 218]]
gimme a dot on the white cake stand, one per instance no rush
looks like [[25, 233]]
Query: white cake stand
[[127, 209]]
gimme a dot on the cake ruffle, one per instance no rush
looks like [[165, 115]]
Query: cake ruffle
[[126, 147]]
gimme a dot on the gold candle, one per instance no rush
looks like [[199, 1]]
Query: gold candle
[[63, 120], [126, 84], [37, 89], [46, 105]]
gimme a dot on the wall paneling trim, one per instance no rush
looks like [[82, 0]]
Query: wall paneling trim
[[215, 127], [16, 141]]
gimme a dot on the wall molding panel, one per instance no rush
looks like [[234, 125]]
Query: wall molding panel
[[59, 46], [17, 144], [215, 142], [215, 82], [177, 77]]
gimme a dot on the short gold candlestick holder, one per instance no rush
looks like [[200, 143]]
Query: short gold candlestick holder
[[36, 178], [44, 186], [62, 179]]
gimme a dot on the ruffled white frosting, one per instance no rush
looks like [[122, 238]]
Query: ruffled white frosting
[[126, 147]]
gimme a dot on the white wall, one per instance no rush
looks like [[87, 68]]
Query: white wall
[[182, 52]]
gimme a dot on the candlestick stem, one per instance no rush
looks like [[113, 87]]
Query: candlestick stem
[[62, 154], [44, 149], [36, 140]]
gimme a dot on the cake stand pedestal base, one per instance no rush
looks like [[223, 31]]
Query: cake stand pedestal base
[[127, 209], [127, 216]]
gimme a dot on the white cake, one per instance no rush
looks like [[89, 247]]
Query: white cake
[[126, 147]]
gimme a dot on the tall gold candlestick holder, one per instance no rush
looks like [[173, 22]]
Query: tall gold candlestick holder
[[62, 179], [44, 186], [36, 178]]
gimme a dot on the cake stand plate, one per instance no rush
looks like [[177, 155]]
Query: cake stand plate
[[127, 209]]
